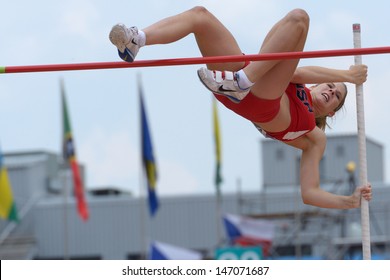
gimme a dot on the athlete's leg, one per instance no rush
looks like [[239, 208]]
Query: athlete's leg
[[211, 35], [265, 79], [272, 77]]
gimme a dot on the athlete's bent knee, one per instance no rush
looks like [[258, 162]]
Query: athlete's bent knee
[[299, 17], [200, 11]]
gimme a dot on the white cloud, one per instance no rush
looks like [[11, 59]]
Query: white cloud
[[110, 157], [175, 179], [79, 18]]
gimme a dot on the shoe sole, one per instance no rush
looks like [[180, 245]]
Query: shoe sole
[[116, 35]]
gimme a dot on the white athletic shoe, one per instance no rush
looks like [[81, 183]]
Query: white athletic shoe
[[126, 40], [222, 82]]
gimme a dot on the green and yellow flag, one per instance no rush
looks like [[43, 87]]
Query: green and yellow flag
[[217, 139], [7, 204]]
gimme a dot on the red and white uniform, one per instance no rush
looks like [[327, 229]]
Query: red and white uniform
[[259, 110]]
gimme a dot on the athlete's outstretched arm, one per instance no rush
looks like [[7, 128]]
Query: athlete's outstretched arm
[[311, 192], [356, 74]]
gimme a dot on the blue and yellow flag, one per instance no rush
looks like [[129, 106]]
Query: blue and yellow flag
[[148, 160], [7, 204]]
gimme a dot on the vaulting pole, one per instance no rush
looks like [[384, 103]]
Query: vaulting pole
[[365, 217]]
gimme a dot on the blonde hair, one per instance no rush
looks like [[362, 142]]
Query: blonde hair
[[322, 122]]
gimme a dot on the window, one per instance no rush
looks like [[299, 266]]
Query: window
[[279, 155], [340, 151]]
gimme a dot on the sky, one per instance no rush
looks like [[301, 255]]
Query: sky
[[104, 107]]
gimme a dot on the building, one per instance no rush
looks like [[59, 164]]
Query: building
[[339, 151], [119, 226]]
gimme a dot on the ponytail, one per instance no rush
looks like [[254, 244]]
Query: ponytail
[[321, 122]]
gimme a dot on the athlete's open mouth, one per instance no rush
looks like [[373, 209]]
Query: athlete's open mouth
[[326, 96]]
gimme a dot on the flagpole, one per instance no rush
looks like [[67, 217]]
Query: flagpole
[[142, 203], [69, 155], [66, 237], [142, 185], [219, 217], [218, 177], [65, 187], [239, 195]]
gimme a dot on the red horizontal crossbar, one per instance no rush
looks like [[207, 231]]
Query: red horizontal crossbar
[[192, 60]]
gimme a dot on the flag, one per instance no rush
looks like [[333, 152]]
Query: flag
[[7, 204], [148, 160], [69, 155], [164, 251], [217, 140], [249, 231]]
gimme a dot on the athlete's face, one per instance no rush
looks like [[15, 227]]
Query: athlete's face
[[328, 98]]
